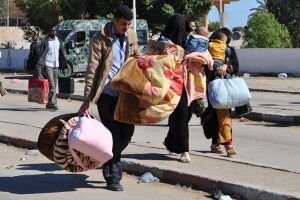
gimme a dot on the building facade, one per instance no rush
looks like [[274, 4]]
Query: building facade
[[11, 15]]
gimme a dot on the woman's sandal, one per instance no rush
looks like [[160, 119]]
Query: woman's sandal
[[185, 158], [214, 148], [230, 151]]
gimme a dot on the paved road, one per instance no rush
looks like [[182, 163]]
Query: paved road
[[37, 178], [256, 142], [263, 102]]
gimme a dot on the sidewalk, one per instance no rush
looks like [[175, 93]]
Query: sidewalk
[[247, 180], [273, 99]]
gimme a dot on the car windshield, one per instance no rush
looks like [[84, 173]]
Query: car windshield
[[62, 34], [92, 33]]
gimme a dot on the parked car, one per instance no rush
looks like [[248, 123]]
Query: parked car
[[76, 36]]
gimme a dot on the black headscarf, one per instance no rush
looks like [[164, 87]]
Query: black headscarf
[[176, 29]]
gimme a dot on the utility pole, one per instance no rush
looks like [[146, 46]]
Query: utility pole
[[7, 23], [134, 16], [221, 13]]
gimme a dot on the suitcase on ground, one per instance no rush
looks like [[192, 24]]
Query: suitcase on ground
[[66, 84], [38, 90]]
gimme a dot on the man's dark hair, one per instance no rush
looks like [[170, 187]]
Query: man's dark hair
[[123, 11]]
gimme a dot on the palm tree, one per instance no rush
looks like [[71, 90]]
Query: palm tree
[[262, 6]]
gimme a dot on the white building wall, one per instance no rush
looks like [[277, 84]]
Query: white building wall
[[14, 35], [269, 60], [251, 60]]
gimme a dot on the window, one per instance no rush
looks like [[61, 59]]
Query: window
[[62, 34], [80, 38], [142, 37]]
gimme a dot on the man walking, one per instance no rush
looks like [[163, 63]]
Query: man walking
[[51, 57], [109, 49]]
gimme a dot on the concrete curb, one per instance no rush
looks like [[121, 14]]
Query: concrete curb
[[205, 183], [272, 91], [18, 142], [254, 116], [274, 118], [175, 177], [62, 96]]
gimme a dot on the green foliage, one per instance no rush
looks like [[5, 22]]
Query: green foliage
[[3, 9], [44, 13], [238, 29], [287, 13], [29, 31], [212, 26], [262, 6], [157, 12], [264, 31]]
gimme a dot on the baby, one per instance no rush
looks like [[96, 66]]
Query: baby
[[218, 49], [197, 41]]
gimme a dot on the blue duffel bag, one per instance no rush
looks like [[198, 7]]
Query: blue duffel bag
[[228, 92]]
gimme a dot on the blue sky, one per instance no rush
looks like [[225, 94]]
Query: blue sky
[[237, 12]]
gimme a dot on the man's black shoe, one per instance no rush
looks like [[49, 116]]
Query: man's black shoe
[[52, 107], [115, 187]]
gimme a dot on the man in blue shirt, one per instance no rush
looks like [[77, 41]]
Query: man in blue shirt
[[109, 49]]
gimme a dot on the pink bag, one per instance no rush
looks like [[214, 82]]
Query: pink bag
[[92, 138]]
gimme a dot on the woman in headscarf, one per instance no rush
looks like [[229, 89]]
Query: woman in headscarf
[[217, 123], [177, 141], [176, 29]]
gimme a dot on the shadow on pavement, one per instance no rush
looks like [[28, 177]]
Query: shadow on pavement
[[46, 183], [148, 156], [157, 125], [280, 125], [294, 102], [24, 77], [206, 152], [24, 109], [44, 167]]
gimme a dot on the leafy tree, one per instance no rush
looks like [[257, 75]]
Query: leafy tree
[[286, 12], [264, 31], [3, 9], [157, 12], [262, 6], [238, 29], [212, 26], [45, 13]]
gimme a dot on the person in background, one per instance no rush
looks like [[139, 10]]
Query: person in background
[[192, 25], [33, 56], [217, 123], [177, 141], [109, 49], [80, 39], [51, 57]]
